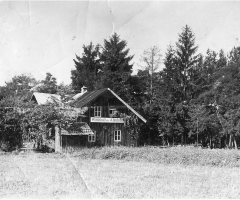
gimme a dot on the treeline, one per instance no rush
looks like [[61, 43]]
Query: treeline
[[194, 98]]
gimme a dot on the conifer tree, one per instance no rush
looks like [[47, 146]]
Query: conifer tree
[[180, 74], [186, 60], [222, 61], [234, 55], [116, 67], [87, 68]]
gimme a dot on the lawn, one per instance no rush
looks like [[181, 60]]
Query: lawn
[[52, 175]]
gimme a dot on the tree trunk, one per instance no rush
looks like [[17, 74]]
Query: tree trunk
[[185, 138], [210, 142], [230, 141], [222, 142], [182, 139], [163, 139], [149, 139], [235, 142]]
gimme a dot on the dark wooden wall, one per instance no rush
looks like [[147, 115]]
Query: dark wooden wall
[[104, 137], [105, 134], [104, 131], [73, 141]]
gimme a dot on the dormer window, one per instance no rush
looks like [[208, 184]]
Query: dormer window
[[97, 111]]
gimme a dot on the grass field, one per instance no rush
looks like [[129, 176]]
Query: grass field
[[37, 175]]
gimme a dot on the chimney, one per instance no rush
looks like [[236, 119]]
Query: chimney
[[83, 89]]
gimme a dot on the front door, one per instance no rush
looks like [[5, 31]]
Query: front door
[[105, 133], [106, 137]]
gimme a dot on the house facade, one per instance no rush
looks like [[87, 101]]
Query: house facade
[[104, 111]]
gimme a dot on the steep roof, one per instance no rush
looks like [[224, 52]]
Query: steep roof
[[88, 97], [43, 98]]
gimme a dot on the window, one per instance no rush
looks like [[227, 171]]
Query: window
[[92, 138], [97, 111], [112, 111], [117, 135]]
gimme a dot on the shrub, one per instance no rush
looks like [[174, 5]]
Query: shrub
[[173, 155], [4, 146]]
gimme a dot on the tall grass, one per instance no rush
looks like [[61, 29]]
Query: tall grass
[[173, 155]]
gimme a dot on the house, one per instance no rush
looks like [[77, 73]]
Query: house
[[44, 98], [104, 113], [70, 138]]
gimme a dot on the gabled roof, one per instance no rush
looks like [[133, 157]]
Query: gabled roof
[[44, 98], [88, 97]]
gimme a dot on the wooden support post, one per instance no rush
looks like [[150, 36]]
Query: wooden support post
[[57, 140]]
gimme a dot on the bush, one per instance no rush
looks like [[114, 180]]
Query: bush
[[4, 146], [173, 155]]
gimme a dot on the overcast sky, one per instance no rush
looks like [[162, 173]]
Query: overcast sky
[[38, 37]]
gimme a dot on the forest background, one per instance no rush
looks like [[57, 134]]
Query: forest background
[[194, 99]]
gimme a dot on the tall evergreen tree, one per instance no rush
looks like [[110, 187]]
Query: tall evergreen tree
[[222, 61], [87, 68], [208, 67], [186, 61], [116, 67], [170, 75], [234, 55], [180, 76], [169, 95]]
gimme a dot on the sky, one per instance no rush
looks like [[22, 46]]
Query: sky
[[45, 36]]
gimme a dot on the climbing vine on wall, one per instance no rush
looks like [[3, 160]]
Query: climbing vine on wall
[[131, 124]]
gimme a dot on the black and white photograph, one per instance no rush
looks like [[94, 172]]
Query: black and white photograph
[[119, 99]]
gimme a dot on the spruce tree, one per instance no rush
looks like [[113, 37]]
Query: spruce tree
[[116, 67], [87, 68], [186, 60], [170, 76], [234, 55], [222, 61]]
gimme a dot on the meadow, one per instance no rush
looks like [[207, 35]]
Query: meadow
[[121, 172]]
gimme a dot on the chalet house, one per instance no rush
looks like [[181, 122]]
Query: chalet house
[[103, 113]]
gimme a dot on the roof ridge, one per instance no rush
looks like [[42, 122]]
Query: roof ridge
[[88, 95]]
